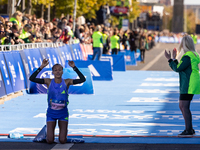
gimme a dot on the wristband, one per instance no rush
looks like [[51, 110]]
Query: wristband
[[38, 70], [74, 68]]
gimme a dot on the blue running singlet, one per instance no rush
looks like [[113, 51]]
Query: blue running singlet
[[57, 101]]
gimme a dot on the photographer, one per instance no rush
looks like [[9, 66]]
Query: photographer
[[26, 34]]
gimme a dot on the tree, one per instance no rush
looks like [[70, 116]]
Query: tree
[[190, 21]]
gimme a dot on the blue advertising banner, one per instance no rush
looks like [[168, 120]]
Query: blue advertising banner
[[138, 55], [2, 86], [5, 75], [129, 57], [16, 75], [67, 51], [117, 61], [26, 67], [70, 50], [34, 58], [54, 58], [100, 70], [47, 56], [22, 74], [61, 55], [83, 88], [77, 52]]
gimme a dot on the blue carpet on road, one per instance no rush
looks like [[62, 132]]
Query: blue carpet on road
[[135, 103]]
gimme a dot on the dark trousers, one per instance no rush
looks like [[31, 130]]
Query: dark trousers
[[115, 51]]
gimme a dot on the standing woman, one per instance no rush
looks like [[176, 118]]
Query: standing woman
[[188, 77], [142, 42], [57, 98], [115, 42]]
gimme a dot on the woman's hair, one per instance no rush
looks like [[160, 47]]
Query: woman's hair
[[57, 65], [16, 13], [187, 44]]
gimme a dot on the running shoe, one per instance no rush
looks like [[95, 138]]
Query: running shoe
[[187, 133]]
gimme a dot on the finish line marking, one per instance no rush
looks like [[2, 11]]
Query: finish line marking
[[62, 146]]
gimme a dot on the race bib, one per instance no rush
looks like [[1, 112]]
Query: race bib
[[57, 104]]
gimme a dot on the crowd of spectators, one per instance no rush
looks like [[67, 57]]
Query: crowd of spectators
[[24, 28]]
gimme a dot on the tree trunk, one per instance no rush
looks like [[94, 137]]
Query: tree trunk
[[42, 11], [29, 7], [54, 12]]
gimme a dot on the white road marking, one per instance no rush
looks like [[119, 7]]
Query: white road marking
[[151, 63], [160, 84], [66, 146], [154, 91], [161, 79]]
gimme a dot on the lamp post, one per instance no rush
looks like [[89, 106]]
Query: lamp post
[[74, 15]]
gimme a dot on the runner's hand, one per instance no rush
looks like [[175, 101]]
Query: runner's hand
[[71, 64], [45, 62]]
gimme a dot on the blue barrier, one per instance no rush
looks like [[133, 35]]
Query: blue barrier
[[130, 57], [117, 61], [65, 54], [52, 56], [5, 75], [61, 55], [15, 72], [44, 54], [2, 86], [138, 55], [84, 88], [77, 51], [100, 70], [166, 39], [31, 59], [18, 60]]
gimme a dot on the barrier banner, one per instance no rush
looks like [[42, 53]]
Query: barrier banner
[[52, 54], [89, 49], [65, 54], [2, 86], [17, 57], [5, 75], [61, 56], [166, 39], [117, 61], [100, 70], [69, 48], [129, 57], [31, 59], [83, 88], [15, 72], [138, 55], [77, 51], [83, 51], [34, 58], [26, 67], [46, 55]]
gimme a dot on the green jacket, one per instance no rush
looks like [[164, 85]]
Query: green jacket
[[195, 38], [25, 36], [188, 70], [115, 42], [97, 39], [14, 20]]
